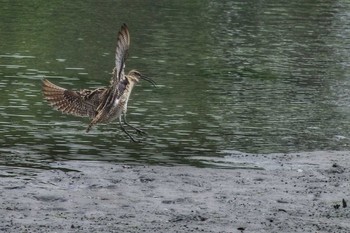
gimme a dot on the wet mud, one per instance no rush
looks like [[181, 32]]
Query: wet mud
[[304, 192]]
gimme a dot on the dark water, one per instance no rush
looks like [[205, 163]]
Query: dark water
[[249, 76]]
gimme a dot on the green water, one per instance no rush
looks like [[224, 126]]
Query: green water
[[249, 76]]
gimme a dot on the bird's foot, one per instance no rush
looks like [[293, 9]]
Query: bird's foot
[[141, 132], [134, 140]]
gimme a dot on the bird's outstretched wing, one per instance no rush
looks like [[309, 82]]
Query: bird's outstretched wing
[[121, 54], [79, 103], [118, 81]]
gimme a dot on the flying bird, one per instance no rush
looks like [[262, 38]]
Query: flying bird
[[105, 104]]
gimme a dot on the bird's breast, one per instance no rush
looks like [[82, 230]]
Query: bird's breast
[[116, 102]]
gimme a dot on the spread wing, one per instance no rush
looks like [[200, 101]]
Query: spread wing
[[78, 103], [121, 54]]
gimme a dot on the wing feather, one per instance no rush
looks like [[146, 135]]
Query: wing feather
[[78, 103], [121, 54]]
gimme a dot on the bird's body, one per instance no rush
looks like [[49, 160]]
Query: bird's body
[[105, 104]]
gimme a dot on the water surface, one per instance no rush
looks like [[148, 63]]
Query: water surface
[[249, 76]]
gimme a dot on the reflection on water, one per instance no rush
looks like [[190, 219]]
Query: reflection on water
[[231, 75]]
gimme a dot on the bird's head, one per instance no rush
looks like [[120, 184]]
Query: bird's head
[[135, 76]]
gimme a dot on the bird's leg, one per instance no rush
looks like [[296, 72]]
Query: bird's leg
[[94, 121], [139, 131], [89, 127], [125, 131]]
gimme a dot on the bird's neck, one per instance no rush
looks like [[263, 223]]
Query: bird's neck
[[128, 90]]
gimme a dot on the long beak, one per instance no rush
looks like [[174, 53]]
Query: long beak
[[149, 80]]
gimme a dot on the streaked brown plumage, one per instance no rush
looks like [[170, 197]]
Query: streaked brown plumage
[[105, 104]]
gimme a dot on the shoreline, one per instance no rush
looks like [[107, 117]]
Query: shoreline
[[299, 192]]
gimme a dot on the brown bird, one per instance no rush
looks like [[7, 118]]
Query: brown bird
[[104, 104]]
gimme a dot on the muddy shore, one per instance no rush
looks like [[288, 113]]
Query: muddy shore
[[302, 192]]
